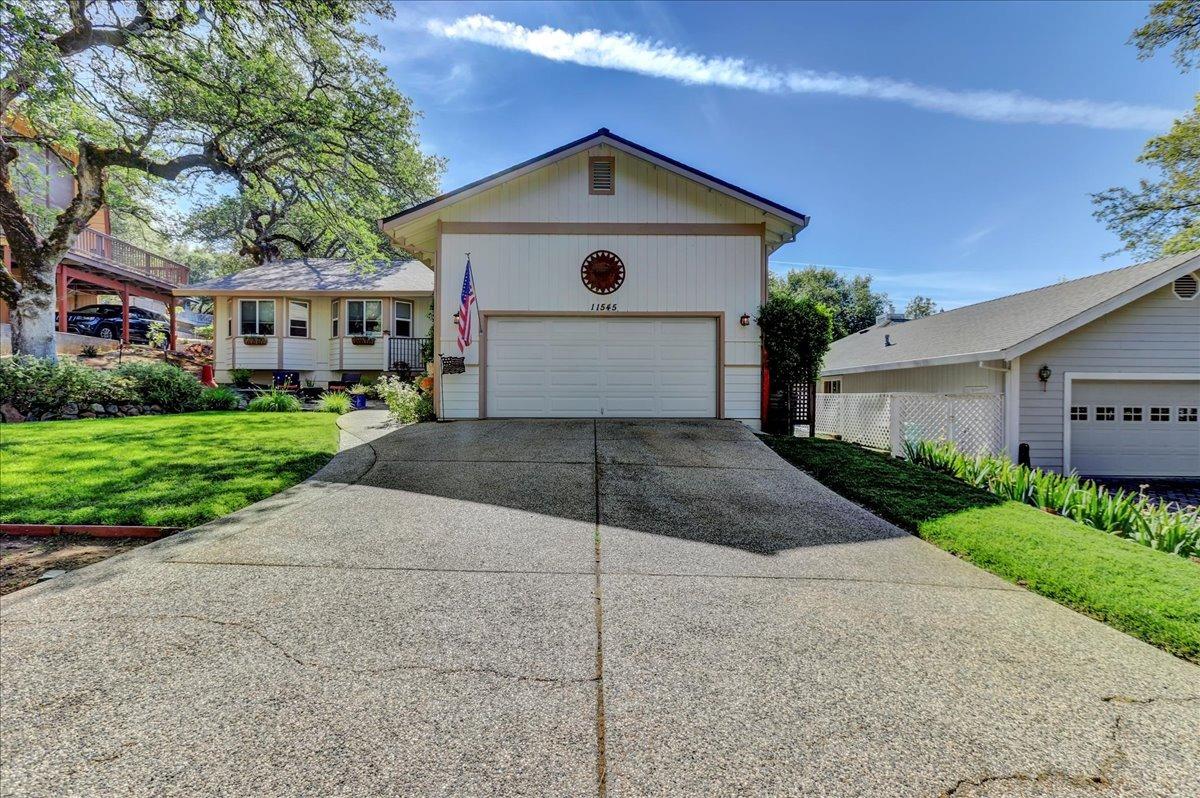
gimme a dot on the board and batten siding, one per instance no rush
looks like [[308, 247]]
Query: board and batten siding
[[956, 378], [645, 193], [701, 274], [1159, 333]]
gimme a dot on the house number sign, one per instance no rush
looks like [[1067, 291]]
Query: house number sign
[[602, 272]]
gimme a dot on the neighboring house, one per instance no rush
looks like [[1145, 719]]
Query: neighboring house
[[98, 264], [1100, 375], [611, 281], [320, 317]]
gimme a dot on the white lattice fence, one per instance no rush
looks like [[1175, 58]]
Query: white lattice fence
[[975, 422], [857, 417]]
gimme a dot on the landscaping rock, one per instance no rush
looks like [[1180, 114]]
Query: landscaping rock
[[69, 417], [10, 414], [96, 407], [132, 411], [87, 414], [112, 410], [155, 409], [70, 409], [47, 416]]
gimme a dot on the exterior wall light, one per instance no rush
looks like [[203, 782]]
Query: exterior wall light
[[745, 319], [1044, 375]]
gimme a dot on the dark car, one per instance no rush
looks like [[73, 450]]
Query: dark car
[[104, 321]]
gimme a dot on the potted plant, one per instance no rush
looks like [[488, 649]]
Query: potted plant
[[358, 396], [311, 391]]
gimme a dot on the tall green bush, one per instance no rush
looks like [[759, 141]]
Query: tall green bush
[[1127, 515], [796, 332]]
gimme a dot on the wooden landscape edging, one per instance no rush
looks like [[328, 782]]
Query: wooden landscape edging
[[87, 530]]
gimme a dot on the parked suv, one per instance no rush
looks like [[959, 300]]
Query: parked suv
[[104, 321]]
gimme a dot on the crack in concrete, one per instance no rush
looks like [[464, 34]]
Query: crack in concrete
[[1165, 699], [1097, 782], [601, 733], [307, 663]]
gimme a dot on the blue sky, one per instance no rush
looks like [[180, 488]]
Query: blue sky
[[891, 124]]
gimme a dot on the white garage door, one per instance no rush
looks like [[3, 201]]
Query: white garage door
[[591, 367], [1135, 429]]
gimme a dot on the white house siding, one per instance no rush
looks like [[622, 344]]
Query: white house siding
[[644, 193], [956, 378], [1158, 333], [664, 274]]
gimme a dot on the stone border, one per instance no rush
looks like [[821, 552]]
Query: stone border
[[87, 530]]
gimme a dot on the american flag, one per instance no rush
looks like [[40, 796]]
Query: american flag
[[464, 309]]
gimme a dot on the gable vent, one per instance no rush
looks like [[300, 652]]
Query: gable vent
[[602, 175], [1187, 286]]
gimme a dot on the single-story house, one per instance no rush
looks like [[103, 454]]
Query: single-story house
[[611, 280], [320, 317], [1099, 375]]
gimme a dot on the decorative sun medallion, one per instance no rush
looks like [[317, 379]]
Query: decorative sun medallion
[[602, 272]]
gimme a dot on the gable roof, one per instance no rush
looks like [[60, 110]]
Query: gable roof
[[795, 218], [1003, 328], [320, 276]]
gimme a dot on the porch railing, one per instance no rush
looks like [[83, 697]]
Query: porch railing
[[113, 251], [408, 355]]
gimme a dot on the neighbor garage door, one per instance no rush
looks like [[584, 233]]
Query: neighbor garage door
[[1135, 429], [593, 367]]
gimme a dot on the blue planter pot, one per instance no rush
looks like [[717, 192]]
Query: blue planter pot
[[358, 401]]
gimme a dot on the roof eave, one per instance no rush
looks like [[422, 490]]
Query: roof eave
[[945, 360]]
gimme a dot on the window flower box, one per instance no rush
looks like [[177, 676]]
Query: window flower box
[[254, 340], [362, 340]]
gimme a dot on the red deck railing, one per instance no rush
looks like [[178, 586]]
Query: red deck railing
[[105, 248]]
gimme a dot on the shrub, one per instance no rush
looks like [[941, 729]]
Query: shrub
[[205, 331], [241, 377], [334, 403], [34, 385], [88, 350], [167, 386], [159, 335], [796, 332], [1127, 515], [274, 401], [406, 403], [220, 399]]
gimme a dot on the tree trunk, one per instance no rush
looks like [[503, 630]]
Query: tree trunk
[[33, 312]]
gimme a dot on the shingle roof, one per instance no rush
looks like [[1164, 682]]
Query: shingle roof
[[322, 275], [989, 328]]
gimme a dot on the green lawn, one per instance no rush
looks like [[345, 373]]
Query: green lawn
[[173, 470], [1146, 593]]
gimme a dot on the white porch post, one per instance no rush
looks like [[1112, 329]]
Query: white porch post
[[1012, 408]]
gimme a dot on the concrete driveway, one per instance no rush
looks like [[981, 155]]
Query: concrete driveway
[[573, 609]]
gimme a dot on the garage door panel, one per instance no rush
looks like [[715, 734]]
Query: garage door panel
[[1135, 448], [595, 367]]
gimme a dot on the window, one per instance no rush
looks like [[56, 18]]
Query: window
[[1079, 413], [1131, 414], [1187, 414], [1187, 287], [404, 319], [334, 310], [297, 318], [832, 386], [602, 175], [364, 316], [258, 316], [1106, 413], [1160, 414]]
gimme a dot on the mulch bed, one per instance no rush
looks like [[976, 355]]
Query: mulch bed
[[23, 560]]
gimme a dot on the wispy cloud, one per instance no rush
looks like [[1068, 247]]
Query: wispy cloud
[[629, 53], [975, 236]]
